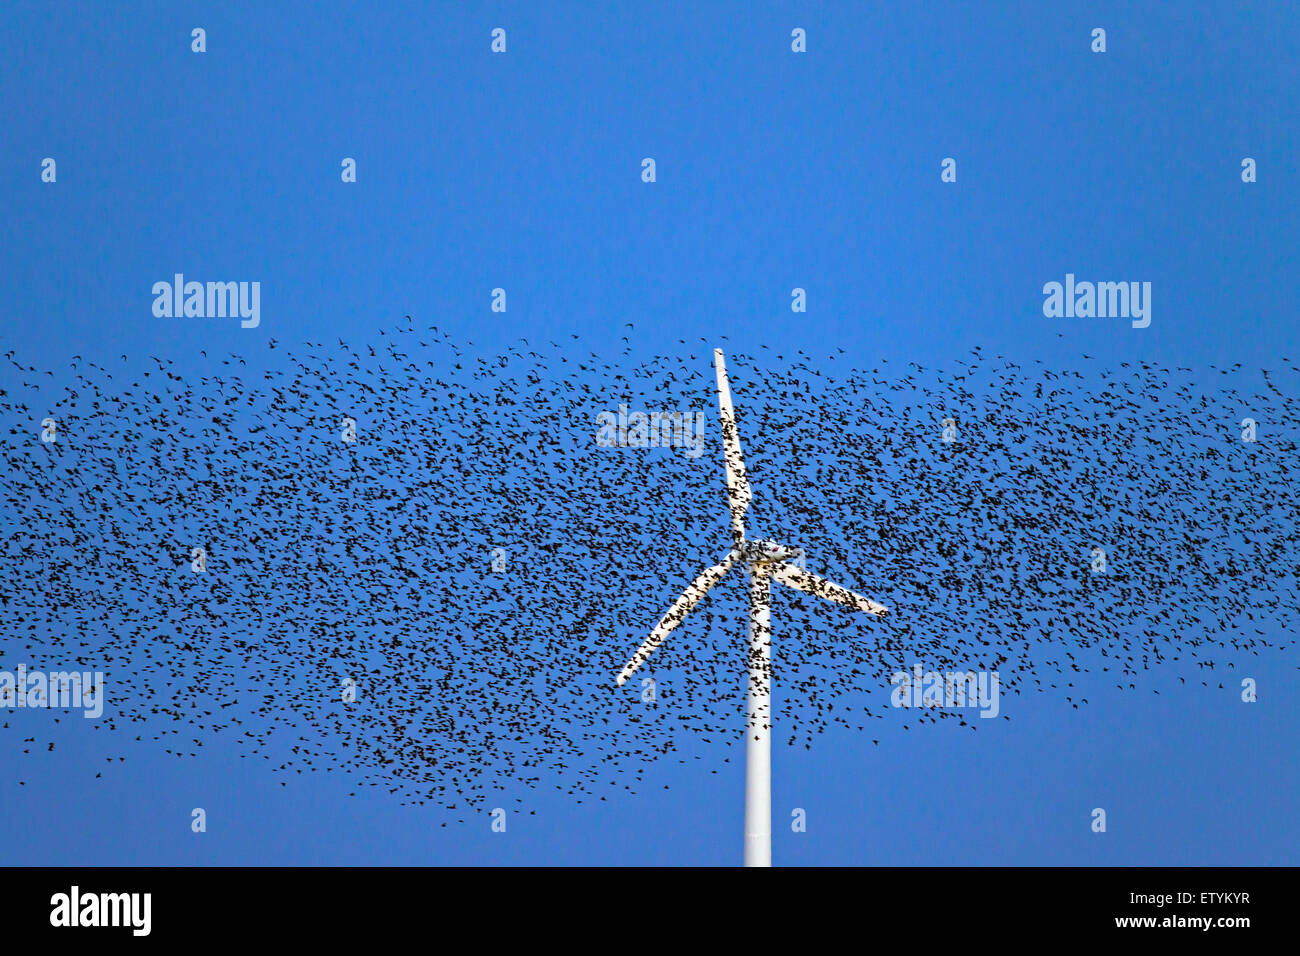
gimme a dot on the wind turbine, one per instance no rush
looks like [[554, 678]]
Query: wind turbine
[[765, 560]]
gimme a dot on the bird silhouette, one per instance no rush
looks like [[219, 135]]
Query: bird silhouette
[[422, 565]]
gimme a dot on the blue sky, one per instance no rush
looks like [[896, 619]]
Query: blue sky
[[775, 170]]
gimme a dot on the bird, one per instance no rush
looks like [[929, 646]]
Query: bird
[[424, 600]]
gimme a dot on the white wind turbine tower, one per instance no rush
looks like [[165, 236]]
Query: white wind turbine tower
[[765, 560]]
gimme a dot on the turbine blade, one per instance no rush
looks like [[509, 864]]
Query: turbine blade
[[738, 493], [795, 577], [674, 615]]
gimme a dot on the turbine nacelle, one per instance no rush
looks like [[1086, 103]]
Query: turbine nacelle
[[766, 552]]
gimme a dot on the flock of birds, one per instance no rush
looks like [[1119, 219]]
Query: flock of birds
[[439, 606]]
